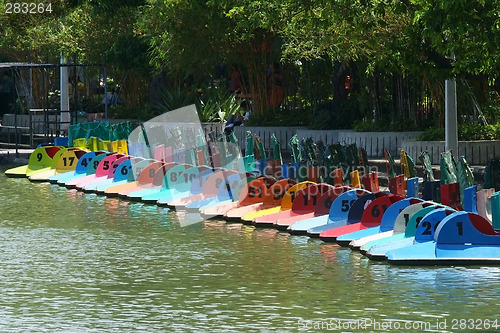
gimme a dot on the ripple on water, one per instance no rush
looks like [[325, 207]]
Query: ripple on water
[[76, 262]]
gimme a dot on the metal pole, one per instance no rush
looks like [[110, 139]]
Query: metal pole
[[15, 115], [31, 83], [64, 116], [45, 108], [75, 91], [450, 125], [105, 78]]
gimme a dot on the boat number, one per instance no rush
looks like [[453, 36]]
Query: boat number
[[407, 218], [96, 164], [69, 159], [460, 228], [39, 157], [189, 177], [376, 210], [346, 205], [151, 173], [328, 202], [85, 162], [218, 181], [173, 176], [418, 219], [105, 165], [124, 170], [278, 194], [427, 225], [292, 195], [306, 199], [254, 192]]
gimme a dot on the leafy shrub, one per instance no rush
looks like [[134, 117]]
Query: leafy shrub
[[432, 134], [216, 105], [126, 112], [280, 117], [212, 104], [385, 124], [175, 98], [466, 132]]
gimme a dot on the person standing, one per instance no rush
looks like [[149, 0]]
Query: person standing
[[274, 85], [5, 90], [236, 83]]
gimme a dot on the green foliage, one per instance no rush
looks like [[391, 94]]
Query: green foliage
[[126, 112], [385, 125], [216, 105], [187, 37], [279, 117], [387, 40], [129, 53], [212, 104], [171, 99], [466, 132], [432, 134]]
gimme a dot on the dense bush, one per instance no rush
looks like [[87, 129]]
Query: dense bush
[[466, 132], [212, 104], [279, 117], [126, 112], [385, 125]]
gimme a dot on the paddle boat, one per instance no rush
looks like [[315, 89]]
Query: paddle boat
[[356, 238], [285, 203], [90, 171], [305, 204], [157, 183], [272, 198], [321, 211], [372, 216], [127, 172], [269, 216], [346, 209], [424, 232], [144, 177], [370, 223], [462, 238], [210, 189], [196, 188], [405, 224], [80, 170], [103, 168], [224, 205], [40, 158], [377, 252], [147, 180], [177, 180], [225, 192], [250, 192], [119, 170], [64, 160]]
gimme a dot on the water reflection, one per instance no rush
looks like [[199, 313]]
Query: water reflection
[[78, 262]]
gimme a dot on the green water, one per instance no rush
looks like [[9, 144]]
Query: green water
[[75, 262]]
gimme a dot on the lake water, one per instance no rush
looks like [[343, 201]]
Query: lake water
[[75, 262]]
